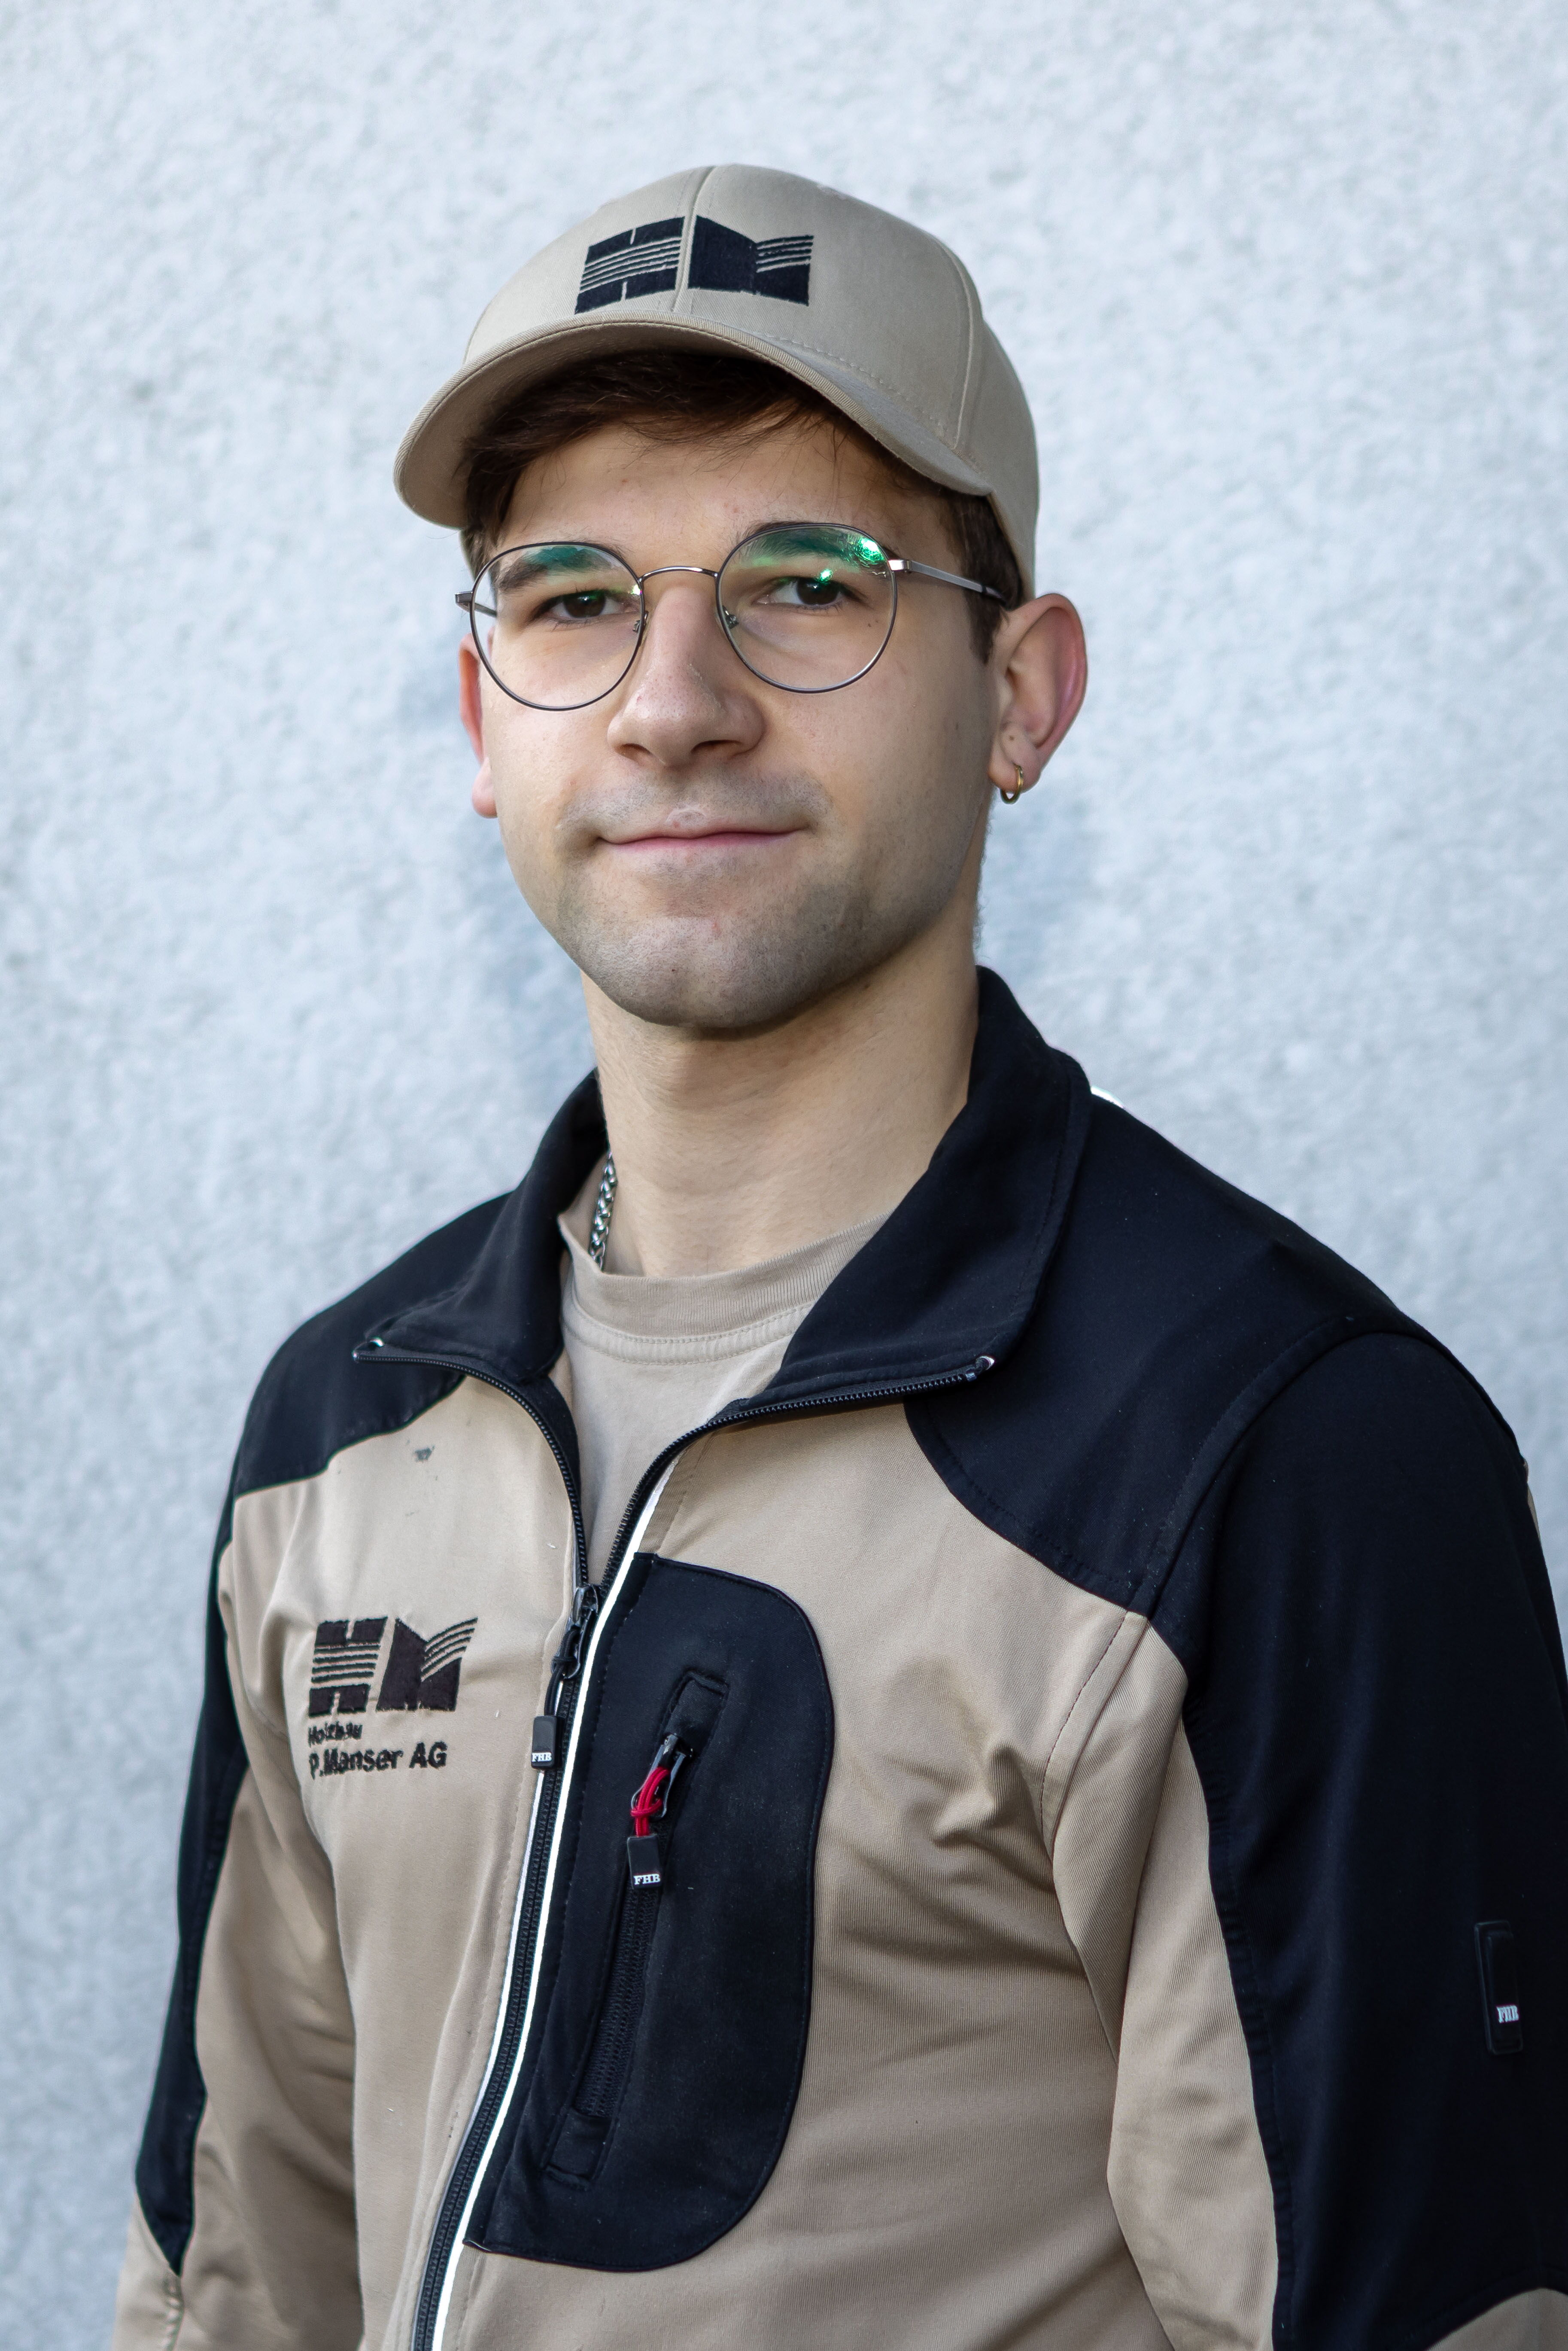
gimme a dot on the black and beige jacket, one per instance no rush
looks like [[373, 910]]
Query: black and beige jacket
[[1049, 1831]]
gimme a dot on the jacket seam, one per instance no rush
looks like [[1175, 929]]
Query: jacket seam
[[1262, 2053], [174, 2314], [309, 1477], [233, 1661], [1544, 2278], [991, 1511], [1057, 1554], [1124, 1616]]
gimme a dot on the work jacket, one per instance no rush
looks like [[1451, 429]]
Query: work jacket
[[1050, 1830]]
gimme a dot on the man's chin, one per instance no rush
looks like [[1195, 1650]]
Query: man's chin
[[732, 981]]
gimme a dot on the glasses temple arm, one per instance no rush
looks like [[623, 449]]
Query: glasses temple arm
[[948, 579]]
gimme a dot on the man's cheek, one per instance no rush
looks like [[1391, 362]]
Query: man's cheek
[[532, 852]]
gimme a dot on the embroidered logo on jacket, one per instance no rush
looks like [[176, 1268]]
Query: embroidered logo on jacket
[[646, 260], [344, 1664], [419, 1677], [424, 1673], [419, 1674]]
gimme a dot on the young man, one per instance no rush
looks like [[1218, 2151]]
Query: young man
[[874, 1713]]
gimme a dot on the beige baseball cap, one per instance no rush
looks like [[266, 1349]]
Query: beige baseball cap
[[873, 313]]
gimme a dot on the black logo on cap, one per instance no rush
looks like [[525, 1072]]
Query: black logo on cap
[[640, 261], [646, 260], [728, 262]]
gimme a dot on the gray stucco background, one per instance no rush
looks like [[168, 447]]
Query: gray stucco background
[[1286, 288]]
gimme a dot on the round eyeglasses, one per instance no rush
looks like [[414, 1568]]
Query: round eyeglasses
[[808, 606]]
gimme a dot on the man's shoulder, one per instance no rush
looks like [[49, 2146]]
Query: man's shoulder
[[1175, 1311], [1171, 1243], [314, 1398]]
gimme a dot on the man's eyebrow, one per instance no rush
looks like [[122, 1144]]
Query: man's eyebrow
[[538, 558], [554, 554], [785, 524]]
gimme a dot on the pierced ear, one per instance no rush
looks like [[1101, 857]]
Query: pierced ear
[[1044, 669]]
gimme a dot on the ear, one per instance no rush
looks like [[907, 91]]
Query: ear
[[471, 710], [1041, 665]]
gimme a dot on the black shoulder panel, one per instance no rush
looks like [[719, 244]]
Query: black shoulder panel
[[1379, 1719], [312, 1401], [1173, 1309]]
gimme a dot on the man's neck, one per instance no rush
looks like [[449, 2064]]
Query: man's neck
[[730, 1151]]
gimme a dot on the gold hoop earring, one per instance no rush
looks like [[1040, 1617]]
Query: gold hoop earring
[[1018, 795]]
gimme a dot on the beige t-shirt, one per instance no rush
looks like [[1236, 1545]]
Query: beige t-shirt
[[648, 1357]]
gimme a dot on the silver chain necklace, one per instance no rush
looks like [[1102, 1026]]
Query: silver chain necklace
[[604, 1209]]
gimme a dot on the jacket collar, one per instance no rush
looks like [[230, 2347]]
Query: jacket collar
[[941, 1291]]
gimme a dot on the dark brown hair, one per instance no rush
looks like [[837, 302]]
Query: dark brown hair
[[670, 394]]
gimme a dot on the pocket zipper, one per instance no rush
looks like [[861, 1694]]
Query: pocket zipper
[[580, 2140], [650, 1803]]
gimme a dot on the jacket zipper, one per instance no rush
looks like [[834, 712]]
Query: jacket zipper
[[539, 1856], [517, 1999]]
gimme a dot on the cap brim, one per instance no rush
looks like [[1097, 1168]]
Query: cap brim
[[431, 468]]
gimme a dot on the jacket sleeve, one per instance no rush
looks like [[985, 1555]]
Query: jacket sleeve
[[1343, 2058], [243, 2232]]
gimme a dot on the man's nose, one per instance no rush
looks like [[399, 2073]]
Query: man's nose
[[688, 693]]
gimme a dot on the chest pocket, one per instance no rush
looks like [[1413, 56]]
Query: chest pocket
[[675, 1981]]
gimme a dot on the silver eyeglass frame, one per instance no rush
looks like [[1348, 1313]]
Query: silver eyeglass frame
[[897, 565]]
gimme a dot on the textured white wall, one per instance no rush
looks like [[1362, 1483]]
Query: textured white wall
[[1286, 287]]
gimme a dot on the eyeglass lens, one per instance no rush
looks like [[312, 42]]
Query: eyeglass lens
[[807, 606]]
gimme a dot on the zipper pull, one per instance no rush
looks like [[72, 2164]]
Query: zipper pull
[[545, 1748], [651, 1802], [567, 1660]]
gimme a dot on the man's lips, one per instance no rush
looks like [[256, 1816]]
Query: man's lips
[[722, 837]]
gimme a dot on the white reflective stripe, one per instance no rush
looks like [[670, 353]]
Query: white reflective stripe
[[444, 2302], [438, 2335]]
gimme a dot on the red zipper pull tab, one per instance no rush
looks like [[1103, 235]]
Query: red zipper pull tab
[[649, 1805], [649, 1800]]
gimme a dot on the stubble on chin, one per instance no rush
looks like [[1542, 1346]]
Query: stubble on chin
[[732, 958], [753, 957], [724, 973]]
